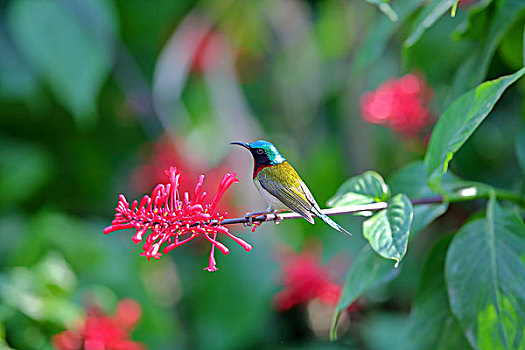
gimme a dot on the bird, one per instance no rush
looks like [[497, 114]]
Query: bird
[[280, 185]]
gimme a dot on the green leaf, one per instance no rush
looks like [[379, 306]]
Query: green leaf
[[385, 7], [485, 274], [378, 35], [425, 214], [459, 121], [431, 325], [520, 148], [366, 188], [72, 58], [475, 25], [411, 180], [426, 18], [387, 231], [474, 69], [368, 270]]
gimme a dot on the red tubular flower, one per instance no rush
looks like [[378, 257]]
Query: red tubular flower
[[401, 104], [99, 331], [174, 221]]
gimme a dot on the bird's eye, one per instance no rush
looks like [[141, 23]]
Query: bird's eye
[[260, 151]]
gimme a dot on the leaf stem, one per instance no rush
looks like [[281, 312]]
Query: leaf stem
[[483, 192]]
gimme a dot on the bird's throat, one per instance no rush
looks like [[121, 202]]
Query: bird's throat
[[258, 167]]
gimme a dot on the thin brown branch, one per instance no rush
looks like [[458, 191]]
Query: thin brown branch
[[350, 209]]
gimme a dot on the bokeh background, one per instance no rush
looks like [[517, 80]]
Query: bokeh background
[[99, 97]]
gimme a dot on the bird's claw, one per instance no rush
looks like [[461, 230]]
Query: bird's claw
[[250, 220], [250, 216]]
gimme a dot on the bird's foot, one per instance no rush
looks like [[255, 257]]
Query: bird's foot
[[252, 215], [277, 219]]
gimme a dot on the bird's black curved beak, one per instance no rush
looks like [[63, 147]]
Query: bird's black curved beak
[[243, 144]]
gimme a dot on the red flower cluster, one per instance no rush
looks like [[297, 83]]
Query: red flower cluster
[[305, 279], [99, 331], [174, 221], [401, 104]]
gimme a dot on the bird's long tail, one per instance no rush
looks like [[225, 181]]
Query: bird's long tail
[[329, 221]]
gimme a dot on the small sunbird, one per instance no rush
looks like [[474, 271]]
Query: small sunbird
[[280, 185]]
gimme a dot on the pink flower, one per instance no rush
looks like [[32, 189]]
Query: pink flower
[[400, 104], [99, 331], [304, 279], [174, 221]]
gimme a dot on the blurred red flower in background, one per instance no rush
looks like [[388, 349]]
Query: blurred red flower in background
[[214, 47], [401, 104], [208, 51], [167, 152], [464, 3], [304, 279], [101, 332], [175, 221]]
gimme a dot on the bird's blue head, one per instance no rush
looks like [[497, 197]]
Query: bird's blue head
[[264, 153]]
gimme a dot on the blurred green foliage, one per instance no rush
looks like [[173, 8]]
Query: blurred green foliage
[[87, 87]]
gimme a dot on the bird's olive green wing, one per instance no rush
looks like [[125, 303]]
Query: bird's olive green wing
[[287, 187]]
